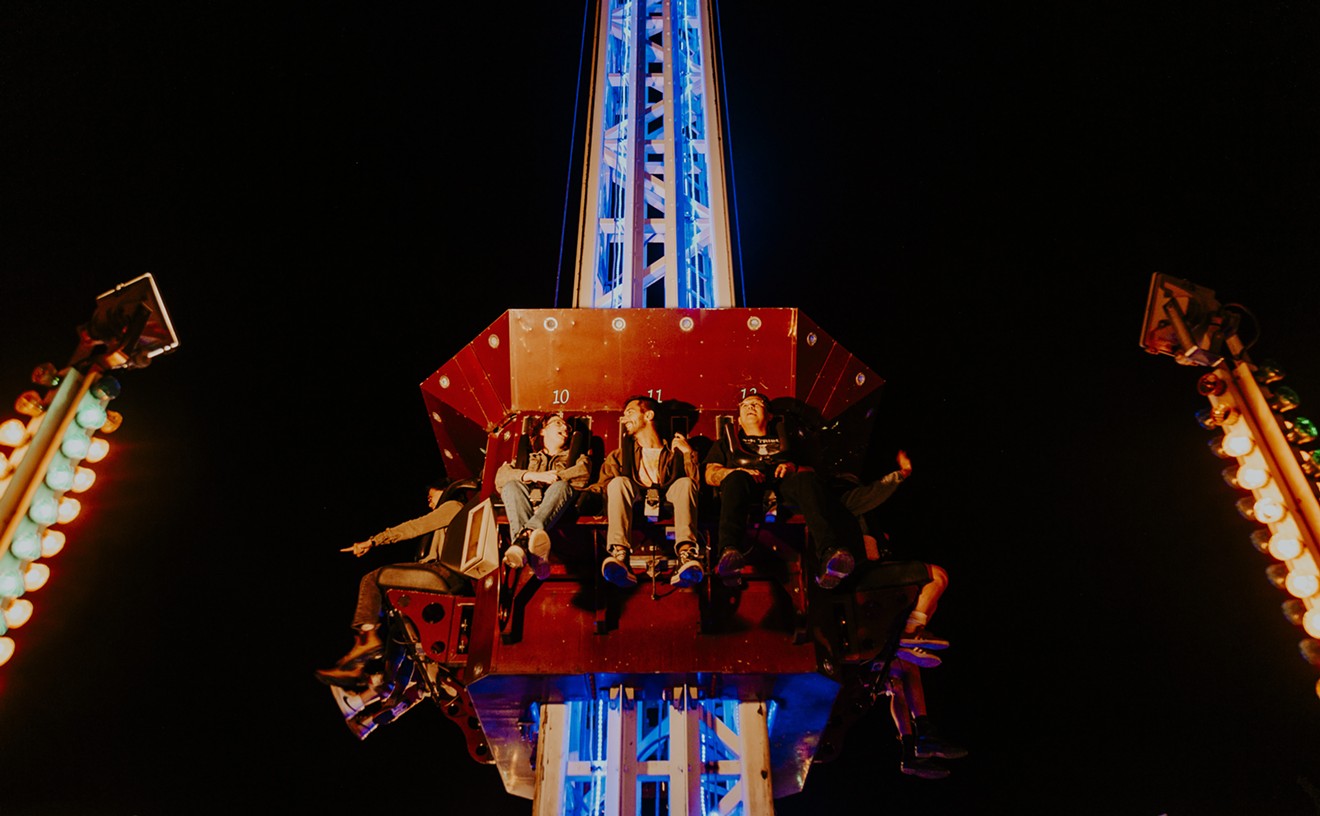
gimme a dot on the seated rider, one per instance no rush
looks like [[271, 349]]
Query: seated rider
[[922, 744], [643, 462], [558, 475], [744, 464], [862, 500], [350, 670]]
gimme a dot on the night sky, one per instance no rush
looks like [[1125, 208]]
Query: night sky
[[335, 198]]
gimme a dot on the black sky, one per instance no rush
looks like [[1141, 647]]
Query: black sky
[[335, 198]]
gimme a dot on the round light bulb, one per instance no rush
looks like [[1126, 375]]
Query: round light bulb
[[18, 613], [45, 510], [6, 649], [75, 444], [1285, 547], [11, 583], [1237, 445], [1301, 584], [12, 432], [1269, 510], [36, 576], [52, 541], [69, 509], [1251, 477], [90, 417], [97, 450], [59, 476], [1311, 622], [26, 545], [82, 479]]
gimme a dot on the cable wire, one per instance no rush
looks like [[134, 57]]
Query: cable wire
[[572, 146]]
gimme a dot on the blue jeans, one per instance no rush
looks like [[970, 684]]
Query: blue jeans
[[371, 597], [517, 497]]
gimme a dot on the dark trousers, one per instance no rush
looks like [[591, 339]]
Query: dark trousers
[[829, 522]]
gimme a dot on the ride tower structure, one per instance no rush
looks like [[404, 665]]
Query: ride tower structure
[[655, 220], [590, 698]]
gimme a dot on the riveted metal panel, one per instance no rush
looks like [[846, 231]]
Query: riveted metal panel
[[586, 360]]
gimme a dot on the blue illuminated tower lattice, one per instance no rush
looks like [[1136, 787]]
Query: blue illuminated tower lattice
[[677, 755], [654, 225], [654, 232]]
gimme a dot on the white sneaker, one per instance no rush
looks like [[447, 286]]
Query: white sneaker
[[515, 557], [918, 656], [617, 568], [539, 543], [689, 572]]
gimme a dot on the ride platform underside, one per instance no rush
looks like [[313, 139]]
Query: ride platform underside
[[713, 698]]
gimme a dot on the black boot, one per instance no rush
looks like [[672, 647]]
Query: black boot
[[913, 765], [350, 671]]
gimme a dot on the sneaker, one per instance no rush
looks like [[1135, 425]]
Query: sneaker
[[730, 566], [918, 656], [920, 638], [922, 767], [515, 557], [930, 743], [837, 566], [616, 569], [538, 544], [689, 572]]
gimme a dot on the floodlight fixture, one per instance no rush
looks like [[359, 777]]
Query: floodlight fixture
[[129, 328], [1184, 321]]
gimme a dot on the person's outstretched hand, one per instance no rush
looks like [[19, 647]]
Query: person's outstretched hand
[[904, 464], [359, 548]]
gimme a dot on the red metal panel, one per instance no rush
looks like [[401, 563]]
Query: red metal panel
[[590, 360], [653, 635], [814, 346], [829, 375], [855, 382], [455, 421], [478, 382], [586, 360], [491, 350], [438, 619]]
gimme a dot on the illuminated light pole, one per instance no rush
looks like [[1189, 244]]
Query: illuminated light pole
[[1262, 435], [128, 329]]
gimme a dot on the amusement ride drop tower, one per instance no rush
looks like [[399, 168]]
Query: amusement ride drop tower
[[588, 698]]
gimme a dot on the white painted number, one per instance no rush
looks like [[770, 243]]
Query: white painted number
[[561, 396]]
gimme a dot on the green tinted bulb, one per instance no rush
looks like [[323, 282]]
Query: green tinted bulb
[[1285, 399], [1301, 431]]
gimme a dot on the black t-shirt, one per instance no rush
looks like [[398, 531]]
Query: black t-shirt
[[761, 452]]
